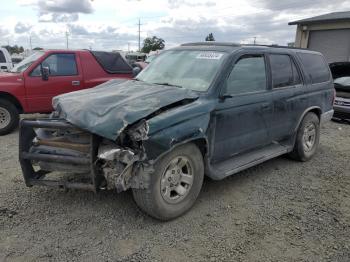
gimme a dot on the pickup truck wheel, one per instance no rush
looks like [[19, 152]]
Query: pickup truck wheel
[[307, 139], [175, 184], [9, 117]]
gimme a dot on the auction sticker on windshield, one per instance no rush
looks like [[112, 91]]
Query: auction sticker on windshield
[[209, 55]]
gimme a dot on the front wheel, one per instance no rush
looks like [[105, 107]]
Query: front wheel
[[175, 184], [9, 117], [307, 140]]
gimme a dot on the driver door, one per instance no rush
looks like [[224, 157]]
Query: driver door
[[244, 114], [64, 77]]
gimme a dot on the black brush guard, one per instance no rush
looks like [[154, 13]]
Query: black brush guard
[[32, 177]]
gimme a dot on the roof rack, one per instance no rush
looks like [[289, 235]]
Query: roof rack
[[211, 43], [277, 46]]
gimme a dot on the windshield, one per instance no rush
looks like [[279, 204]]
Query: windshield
[[189, 69], [26, 62]]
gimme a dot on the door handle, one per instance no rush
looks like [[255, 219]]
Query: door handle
[[75, 83]]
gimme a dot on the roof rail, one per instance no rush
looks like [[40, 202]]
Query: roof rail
[[211, 43], [277, 46]]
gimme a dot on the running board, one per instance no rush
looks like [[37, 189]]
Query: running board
[[244, 161]]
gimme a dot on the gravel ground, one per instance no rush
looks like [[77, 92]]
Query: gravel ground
[[279, 211]]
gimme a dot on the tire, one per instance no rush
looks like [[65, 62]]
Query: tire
[[163, 199], [307, 139], [9, 117]]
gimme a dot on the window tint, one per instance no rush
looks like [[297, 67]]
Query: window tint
[[282, 71], [59, 65], [2, 57], [248, 75], [315, 67]]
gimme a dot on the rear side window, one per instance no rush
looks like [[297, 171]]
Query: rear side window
[[2, 57], [315, 67], [248, 75], [284, 71]]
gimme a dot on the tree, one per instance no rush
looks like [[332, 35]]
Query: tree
[[210, 37], [14, 49], [152, 44]]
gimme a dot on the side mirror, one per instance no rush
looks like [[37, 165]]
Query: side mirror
[[45, 72], [136, 70]]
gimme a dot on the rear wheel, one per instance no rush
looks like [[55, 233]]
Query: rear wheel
[[9, 117], [307, 139], [175, 184]]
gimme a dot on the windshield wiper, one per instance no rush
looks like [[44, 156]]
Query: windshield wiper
[[167, 84]]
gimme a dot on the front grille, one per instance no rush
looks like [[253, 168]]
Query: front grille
[[342, 103]]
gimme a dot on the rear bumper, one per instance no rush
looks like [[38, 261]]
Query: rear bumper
[[341, 112], [327, 116]]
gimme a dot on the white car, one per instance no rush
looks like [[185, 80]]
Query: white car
[[5, 60]]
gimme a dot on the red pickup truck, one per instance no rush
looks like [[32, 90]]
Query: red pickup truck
[[30, 86]]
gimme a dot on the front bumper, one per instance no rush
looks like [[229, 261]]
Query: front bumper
[[341, 112], [84, 162]]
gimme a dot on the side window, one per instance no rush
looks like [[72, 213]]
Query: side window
[[284, 72], [2, 57], [248, 75], [59, 65], [315, 66]]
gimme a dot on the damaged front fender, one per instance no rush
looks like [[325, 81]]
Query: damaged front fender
[[131, 163]]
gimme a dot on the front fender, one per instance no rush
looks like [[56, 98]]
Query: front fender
[[165, 140]]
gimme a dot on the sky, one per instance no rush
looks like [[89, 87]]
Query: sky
[[112, 24]]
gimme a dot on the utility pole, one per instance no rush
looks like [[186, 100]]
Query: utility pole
[[139, 24], [30, 42], [67, 39], [254, 40]]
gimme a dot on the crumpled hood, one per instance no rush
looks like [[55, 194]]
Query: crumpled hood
[[108, 108]]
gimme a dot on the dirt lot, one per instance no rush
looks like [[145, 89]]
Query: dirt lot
[[279, 211]]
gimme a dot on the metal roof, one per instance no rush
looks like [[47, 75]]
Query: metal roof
[[331, 17]]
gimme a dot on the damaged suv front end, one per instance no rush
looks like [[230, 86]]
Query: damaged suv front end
[[86, 161], [100, 159]]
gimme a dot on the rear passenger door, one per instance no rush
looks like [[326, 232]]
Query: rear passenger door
[[243, 115], [288, 95]]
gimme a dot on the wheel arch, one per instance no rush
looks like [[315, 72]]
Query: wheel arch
[[314, 109], [13, 100]]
